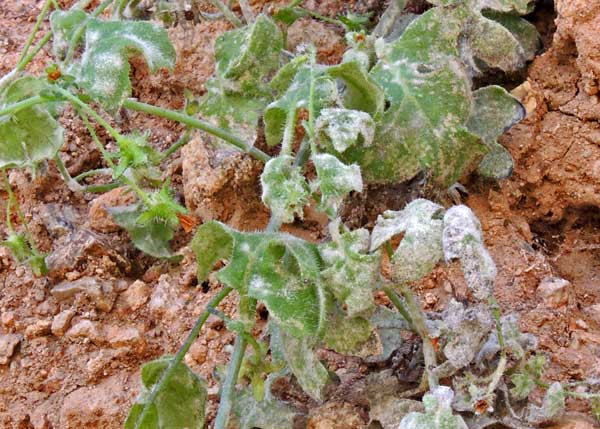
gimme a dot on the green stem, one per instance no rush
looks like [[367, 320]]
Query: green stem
[[169, 371], [89, 173], [197, 123], [429, 353], [36, 27], [582, 395], [79, 32], [185, 139], [246, 11], [227, 13], [311, 101], [288, 132], [499, 372], [23, 104], [395, 299], [9, 224], [322, 17], [71, 183], [233, 370], [36, 49], [97, 189], [15, 203]]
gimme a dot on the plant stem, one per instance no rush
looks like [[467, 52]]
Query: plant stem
[[288, 132], [13, 202], [36, 49], [322, 17], [23, 104], [230, 382], [227, 13], [311, 101], [246, 11], [199, 124], [168, 373], [499, 371], [89, 173], [395, 299], [71, 183], [36, 27], [429, 353], [185, 139]]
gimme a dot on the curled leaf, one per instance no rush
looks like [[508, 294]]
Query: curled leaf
[[421, 247], [335, 181], [342, 128], [284, 188], [438, 412], [463, 240]]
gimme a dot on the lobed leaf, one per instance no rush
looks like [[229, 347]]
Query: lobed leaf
[[494, 112], [284, 188], [463, 240], [351, 274], [335, 181], [421, 247], [180, 401], [343, 128], [30, 135], [104, 69]]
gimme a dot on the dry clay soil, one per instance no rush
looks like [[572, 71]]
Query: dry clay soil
[[71, 343]]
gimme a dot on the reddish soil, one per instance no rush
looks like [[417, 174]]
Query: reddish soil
[[78, 358]]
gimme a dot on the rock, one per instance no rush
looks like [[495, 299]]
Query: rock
[[61, 322], [86, 248], [86, 329], [166, 300], [134, 297], [390, 410], [8, 319], [101, 292], [335, 416], [198, 352], [8, 344], [99, 218], [38, 329], [118, 336], [95, 407], [554, 291], [59, 219]]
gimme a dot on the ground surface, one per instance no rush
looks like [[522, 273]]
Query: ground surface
[[79, 347]]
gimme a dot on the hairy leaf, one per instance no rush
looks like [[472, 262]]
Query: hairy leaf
[[302, 361], [343, 128], [421, 247], [552, 406], [345, 334], [104, 70], [494, 111], [516, 342], [522, 30], [179, 403], [135, 152], [238, 94], [335, 181], [463, 240], [151, 237], [284, 188], [30, 135], [351, 274], [276, 268], [438, 412], [295, 98], [63, 25]]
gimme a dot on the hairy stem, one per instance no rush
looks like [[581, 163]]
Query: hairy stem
[[246, 11], [71, 183], [79, 32], [36, 27], [233, 370], [105, 171], [168, 373], [227, 13], [185, 139], [23, 104], [199, 124], [14, 202], [400, 306]]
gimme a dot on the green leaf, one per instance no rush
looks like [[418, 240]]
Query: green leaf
[[289, 15], [438, 412], [135, 152], [361, 92], [161, 209], [30, 135], [63, 25], [343, 128], [245, 59], [335, 181], [355, 21], [526, 380], [296, 97], [463, 240], [494, 112], [284, 188], [421, 247], [270, 413], [522, 30], [285, 276], [212, 243], [18, 246], [346, 335], [552, 406], [104, 70], [152, 237], [302, 361], [351, 274], [180, 401]]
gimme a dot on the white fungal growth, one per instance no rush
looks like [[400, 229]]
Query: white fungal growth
[[343, 127]]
